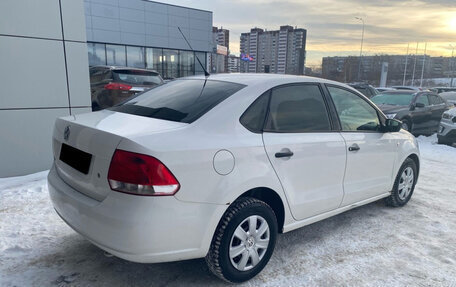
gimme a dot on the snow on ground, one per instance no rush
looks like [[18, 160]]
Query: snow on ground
[[372, 245]]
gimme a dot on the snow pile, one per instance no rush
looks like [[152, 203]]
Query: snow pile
[[370, 246]]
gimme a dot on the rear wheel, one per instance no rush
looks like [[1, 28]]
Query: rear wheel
[[244, 240], [404, 184]]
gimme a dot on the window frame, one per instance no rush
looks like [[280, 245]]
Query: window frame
[[332, 124], [380, 115]]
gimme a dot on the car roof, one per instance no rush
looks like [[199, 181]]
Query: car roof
[[258, 79], [359, 85], [400, 92], [124, 68]]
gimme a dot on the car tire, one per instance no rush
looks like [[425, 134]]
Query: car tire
[[407, 125], [254, 253], [404, 185], [442, 140]]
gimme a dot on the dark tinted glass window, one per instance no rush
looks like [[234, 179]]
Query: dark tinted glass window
[[180, 100], [435, 100], [423, 99], [137, 77], [363, 91], [253, 118], [297, 108], [354, 112]]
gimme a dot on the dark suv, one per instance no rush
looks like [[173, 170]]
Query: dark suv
[[111, 85], [420, 112]]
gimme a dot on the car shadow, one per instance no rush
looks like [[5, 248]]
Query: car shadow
[[80, 263]]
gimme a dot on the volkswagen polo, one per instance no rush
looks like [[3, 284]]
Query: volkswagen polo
[[218, 166]]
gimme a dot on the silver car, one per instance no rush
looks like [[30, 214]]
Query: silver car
[[447, 128]]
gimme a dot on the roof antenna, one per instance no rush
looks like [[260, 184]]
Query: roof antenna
[[204, 69]]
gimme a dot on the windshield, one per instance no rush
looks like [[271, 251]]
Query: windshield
[[398, 99], [137, 77], [180, 100]]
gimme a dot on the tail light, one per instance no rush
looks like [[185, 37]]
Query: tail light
[[117, 86], [140, 174]]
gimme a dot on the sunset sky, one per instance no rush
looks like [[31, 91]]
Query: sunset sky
[[332, 28]]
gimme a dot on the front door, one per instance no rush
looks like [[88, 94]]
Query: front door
[[370, 152], [421, 116], [307, 156]]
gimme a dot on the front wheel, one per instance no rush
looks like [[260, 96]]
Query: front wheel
[[406, 125], [244, 240], [404, 184], [443, 140]]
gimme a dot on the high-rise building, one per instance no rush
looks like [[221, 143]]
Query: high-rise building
[[281, 51], [233, 64], [221, 50]]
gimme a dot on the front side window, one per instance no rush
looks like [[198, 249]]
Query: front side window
[[355, 113], [297, 108], [180, 100], [423, 99]]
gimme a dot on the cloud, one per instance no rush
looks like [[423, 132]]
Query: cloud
[[331, 25]]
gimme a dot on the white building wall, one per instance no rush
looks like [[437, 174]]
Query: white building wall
[[44, 75]]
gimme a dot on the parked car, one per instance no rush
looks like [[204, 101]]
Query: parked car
[[447, 128], [365, 89], [450, 97], [216, 167], [439, 90], [111, 85], [384, 89], [408, 88], [420, 112]]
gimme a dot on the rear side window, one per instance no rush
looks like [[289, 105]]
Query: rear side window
[[297, 108], [180, 100], [436, 100], [254, 117]]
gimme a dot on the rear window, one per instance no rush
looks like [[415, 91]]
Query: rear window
[[137, 77], [180, 100]]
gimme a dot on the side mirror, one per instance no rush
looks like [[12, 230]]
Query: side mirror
[[392, 125], [419, 105]]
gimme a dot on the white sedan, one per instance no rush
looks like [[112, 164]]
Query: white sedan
[[216, 167]]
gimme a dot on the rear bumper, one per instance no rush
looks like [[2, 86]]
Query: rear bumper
[[138, 228]]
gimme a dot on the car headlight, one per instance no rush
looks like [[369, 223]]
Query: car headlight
[[390, 116], [446, 116]]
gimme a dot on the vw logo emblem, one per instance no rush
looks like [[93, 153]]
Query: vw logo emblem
[[66, 133]]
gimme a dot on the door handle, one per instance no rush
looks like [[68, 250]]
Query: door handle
[[284, 153], [354, 147]]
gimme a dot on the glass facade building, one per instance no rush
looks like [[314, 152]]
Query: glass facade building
[[170, 63]]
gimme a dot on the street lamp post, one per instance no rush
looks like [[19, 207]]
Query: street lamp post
[[361, 49]]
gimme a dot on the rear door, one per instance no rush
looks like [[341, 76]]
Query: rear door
[[370, 153], [307, 155], [438, 106]]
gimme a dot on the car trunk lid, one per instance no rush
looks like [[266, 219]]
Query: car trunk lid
[[83, 146]]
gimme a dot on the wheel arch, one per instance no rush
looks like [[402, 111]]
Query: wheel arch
[[272, 198], [416, 159]]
